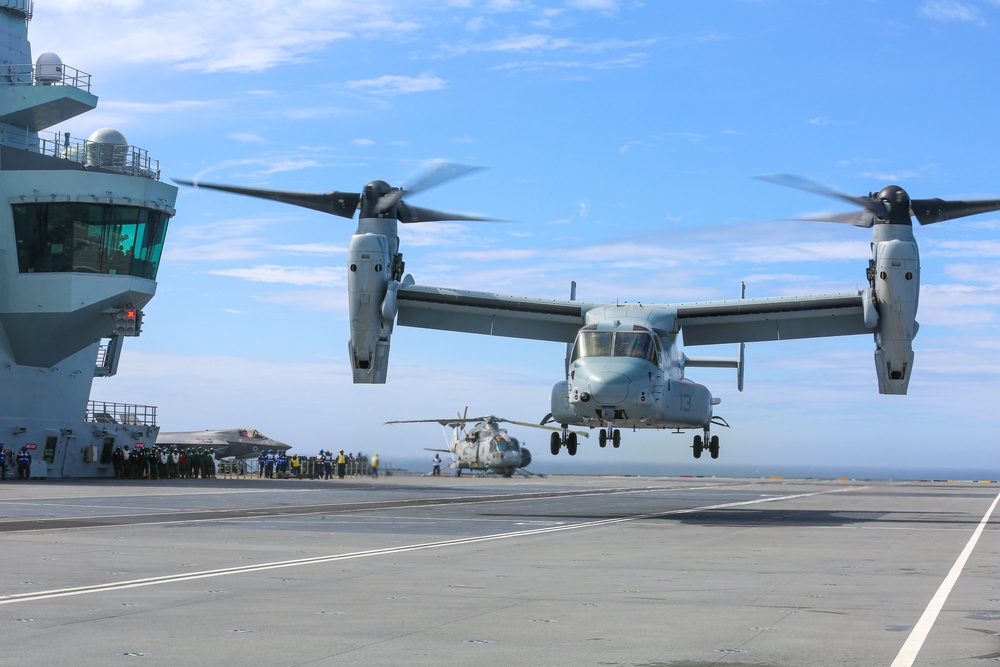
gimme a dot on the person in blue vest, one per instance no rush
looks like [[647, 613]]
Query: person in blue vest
[[269, 464], [24, 464], [3, 463], [327, 465], [282, 463]]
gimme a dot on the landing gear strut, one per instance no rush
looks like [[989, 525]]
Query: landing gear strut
[[567, 438]]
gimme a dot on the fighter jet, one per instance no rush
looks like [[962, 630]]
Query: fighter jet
[[240, 443]]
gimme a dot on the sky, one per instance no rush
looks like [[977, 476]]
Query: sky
[[619, 139]]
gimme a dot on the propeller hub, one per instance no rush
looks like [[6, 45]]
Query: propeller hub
[[897, 205], [377, 200]]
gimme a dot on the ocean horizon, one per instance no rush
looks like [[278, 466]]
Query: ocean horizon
[[710, 468]]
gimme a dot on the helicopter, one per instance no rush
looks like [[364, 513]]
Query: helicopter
[[484, 447], [624, 367]]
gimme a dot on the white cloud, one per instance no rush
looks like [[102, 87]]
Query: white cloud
[[399, 84], [949, 10], [211, 36], [248, 137], [293, 275]]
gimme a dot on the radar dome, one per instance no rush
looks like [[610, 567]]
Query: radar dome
[[107, 147], [107, 135], [49, 68]]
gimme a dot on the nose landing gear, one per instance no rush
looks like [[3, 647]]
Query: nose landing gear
[[700, 445], [615, 436]]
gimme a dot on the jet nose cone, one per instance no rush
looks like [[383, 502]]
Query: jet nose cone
[[607, 388]]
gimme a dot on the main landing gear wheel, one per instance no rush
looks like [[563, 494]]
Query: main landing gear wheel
[[616, 439], [713, 446], [697, 446], [556, 441], [602, 438]]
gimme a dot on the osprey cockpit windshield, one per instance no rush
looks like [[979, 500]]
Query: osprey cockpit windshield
[[636, 344]]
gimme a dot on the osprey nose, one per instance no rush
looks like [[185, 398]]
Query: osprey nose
[[608, 388]]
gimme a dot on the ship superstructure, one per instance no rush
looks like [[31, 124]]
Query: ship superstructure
[[82, 225]]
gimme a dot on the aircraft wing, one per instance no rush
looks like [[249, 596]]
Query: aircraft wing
[[707, 323], [772, 318], [491, 314], [192, 439]]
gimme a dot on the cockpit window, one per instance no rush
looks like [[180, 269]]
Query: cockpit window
[[637, 345], [593, 344], [634, 344], [502, 444]]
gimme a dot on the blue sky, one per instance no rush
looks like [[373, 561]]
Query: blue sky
[[620, 140]]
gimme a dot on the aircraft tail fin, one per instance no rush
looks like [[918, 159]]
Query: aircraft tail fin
[[722, 362]]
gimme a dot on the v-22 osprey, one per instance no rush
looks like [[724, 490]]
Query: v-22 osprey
[[624, 366]]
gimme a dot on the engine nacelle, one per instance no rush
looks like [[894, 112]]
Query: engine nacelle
[[369, 264], [896, 283], [562, 412]]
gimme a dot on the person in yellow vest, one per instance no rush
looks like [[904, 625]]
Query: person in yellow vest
[[341, 464], [296, 465], [375, 465]]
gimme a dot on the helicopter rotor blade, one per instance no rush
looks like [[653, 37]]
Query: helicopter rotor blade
[[585, 434], [433, 173], [929, 211], [406, 213], [862, 218], [342, 204], [799, 183]]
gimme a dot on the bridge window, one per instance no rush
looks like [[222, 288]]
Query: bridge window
[[78, 237]]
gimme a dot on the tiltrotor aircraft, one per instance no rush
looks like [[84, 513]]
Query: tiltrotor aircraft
[[485, 446], [624, 365]]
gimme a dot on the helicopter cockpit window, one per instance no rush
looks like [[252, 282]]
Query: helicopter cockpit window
[[638, 345], [634, 344], [593, 344], [514, 445]]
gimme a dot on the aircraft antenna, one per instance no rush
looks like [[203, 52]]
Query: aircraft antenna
[[569, 346]]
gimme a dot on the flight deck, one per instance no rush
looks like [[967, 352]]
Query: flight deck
[[415, 570]]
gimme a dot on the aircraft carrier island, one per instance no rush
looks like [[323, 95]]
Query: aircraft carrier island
[[82, 224]]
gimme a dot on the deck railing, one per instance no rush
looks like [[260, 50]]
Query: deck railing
[[100, 412]]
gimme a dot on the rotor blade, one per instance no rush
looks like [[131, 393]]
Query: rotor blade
[[443, 422], [343, 204], [876, 207], [437, 172], [585, 434], [407, 213], [862, 218], [433, 173], [928, 211]]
